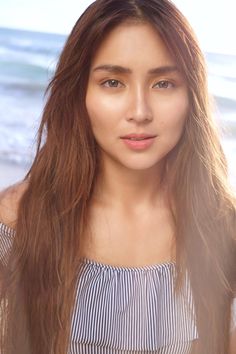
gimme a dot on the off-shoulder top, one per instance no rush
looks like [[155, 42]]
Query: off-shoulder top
[[128, 310]]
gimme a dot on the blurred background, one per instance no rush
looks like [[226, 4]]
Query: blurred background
[[32, 35]]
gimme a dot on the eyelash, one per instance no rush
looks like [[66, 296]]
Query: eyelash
[[162, 81]]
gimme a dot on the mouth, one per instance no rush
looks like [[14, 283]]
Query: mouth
[[139, 143], [138, 137]]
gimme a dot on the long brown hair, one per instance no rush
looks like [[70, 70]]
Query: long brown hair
[[39, 283]]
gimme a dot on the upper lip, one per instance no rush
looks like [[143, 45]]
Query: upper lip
[[143, 135]]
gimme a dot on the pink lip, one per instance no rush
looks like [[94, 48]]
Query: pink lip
[[133, 135], [139, 144]]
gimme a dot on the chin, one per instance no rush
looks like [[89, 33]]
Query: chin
[[141, 166]]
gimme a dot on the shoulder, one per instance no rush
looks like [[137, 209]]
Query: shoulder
[[9, 203]]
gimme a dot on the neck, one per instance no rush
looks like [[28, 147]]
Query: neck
[[131, 190]]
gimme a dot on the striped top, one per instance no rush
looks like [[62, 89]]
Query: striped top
[[121, 310]]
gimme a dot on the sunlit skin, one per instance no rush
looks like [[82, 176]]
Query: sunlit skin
[[135, 100], [130, 223]]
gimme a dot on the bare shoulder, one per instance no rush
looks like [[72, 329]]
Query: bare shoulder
[[9, 202]]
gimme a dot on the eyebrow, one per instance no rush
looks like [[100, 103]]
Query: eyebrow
[[117, 69]]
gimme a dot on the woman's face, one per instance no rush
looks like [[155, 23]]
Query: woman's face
[[135, 87]]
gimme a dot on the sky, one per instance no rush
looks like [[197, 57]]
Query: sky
[[213, 20]]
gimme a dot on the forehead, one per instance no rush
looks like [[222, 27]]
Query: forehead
[[134, 43]]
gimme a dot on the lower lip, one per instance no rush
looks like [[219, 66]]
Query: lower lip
[[139, 144]]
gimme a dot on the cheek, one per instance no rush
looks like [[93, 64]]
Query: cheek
[[103, 106], [174, 115], [100, 114]]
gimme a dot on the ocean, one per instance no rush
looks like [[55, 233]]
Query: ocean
[[27, 63]]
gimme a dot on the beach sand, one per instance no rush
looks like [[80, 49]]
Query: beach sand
[[10, 174]]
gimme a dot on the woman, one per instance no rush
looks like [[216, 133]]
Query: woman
[[122, 236]]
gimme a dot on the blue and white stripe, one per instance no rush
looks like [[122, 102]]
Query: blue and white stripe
[[6, 239], [134, 310], [124, 310]]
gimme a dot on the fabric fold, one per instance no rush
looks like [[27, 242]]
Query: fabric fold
[[131, 308]]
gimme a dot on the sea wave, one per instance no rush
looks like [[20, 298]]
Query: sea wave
[[24, 74], [221, 66], [36, 42], [220, 87], [46, 62]]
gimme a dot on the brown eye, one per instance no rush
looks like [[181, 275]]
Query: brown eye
[[111, 83], [165, 84]]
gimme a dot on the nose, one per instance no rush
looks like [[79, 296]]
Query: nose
[[139, 108]]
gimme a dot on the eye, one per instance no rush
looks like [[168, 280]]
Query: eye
[[164, 84], [111, 83]]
